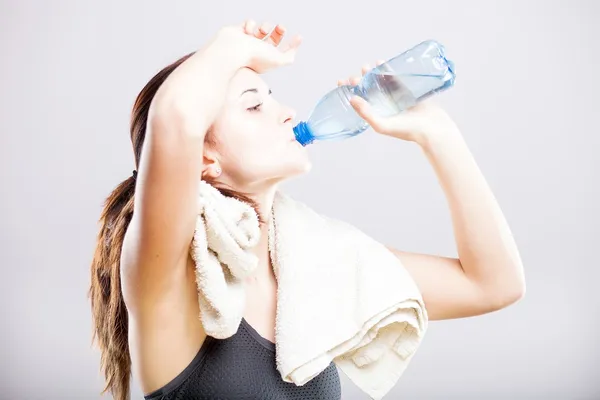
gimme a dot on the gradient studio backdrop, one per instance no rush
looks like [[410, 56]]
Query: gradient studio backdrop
[[526, 100]]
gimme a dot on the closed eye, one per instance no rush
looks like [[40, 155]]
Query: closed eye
[[256, 107]]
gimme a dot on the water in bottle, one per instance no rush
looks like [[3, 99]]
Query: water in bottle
[[390, 88]]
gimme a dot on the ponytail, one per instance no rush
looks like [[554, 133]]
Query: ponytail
[[108, 308]]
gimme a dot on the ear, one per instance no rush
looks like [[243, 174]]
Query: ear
[[211, 167]]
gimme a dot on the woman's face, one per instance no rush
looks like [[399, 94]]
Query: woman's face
[[254, 141]]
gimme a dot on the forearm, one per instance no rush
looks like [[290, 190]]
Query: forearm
[[190, 108], [487, 251]]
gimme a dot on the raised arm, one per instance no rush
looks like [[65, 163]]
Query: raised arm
[[488, 273], [171, 163]]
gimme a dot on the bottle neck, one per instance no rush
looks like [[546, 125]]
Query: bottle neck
[[303, 134]]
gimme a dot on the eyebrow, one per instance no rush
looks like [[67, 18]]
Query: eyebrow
[[253, 90]]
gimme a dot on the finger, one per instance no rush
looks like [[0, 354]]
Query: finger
[[292, 44], [343, 82], [264, 30], [366, 68], [379, 62], [355, 80], [277, 35], [286, 54], [249, 26]]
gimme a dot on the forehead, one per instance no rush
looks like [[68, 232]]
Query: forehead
[[245, 78]]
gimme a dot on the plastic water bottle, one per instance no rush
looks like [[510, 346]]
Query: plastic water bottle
[[390, 88]]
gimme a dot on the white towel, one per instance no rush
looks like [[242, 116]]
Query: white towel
[[341, 296]]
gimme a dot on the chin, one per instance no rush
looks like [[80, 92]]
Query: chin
[[295, 170], [307, 167], [304, 167]]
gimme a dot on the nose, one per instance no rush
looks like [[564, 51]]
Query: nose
[[288, 114]]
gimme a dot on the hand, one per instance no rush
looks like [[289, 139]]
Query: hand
[[420, 124], [260, 48]]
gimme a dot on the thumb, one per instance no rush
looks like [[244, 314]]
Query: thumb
[[364, 109], [268, 57], [288, 51]]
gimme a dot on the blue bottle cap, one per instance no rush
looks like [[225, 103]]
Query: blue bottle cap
[[303, 134]]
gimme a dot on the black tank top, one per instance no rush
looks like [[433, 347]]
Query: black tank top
[[243, 367]]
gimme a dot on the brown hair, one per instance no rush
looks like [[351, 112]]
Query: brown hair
[[108, 308]]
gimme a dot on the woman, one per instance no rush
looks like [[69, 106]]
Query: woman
[[211, 116]]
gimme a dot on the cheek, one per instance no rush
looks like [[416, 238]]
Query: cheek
[[253, 148], [242, 142], [244, 133]]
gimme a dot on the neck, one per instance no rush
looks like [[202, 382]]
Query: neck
[[264, 201], [263, 195]]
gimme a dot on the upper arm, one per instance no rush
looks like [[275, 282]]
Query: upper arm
[[165, 210], [447, 291]]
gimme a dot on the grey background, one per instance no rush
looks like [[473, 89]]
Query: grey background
[[526, 99]]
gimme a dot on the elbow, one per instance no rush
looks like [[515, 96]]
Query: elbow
[[514, 295], [507, 295]]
